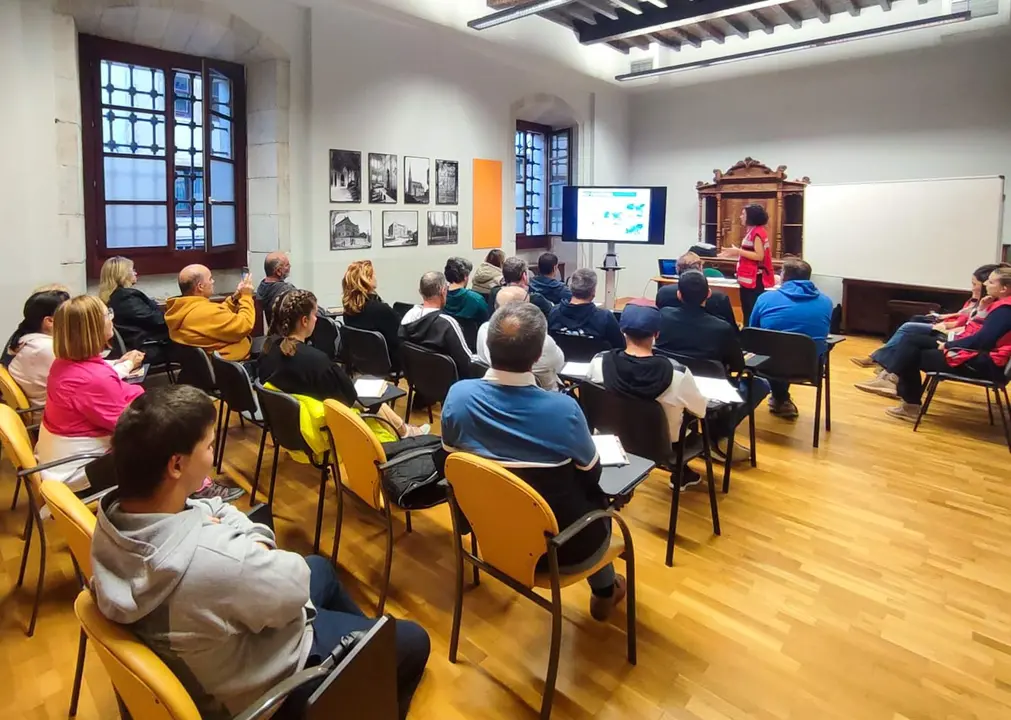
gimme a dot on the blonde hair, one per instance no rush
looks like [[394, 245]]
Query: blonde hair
[[359, 282], [1003, 276], [51, 287], [117, 272], [79, 328]]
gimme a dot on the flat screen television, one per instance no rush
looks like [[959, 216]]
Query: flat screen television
[[629, 215]]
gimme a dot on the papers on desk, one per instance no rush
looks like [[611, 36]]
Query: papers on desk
[[609, 448], [576, 370], [717, 389], [370, 387]]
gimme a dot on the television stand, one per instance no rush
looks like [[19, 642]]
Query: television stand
[[610, 268]]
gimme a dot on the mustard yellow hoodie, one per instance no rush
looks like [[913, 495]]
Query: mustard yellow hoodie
[[223, 327]]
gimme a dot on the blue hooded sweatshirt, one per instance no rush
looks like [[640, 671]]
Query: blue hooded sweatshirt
[[799, 307], [554, 290]]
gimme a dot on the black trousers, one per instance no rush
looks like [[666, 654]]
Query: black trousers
[[918, 353], [748, 298]]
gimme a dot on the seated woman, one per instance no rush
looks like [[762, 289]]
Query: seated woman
[[365, 310], [85, 395], [461, 302], [139, 320], [936, 326], [293, 367], [982, 350], [32, 344], [488, 274]]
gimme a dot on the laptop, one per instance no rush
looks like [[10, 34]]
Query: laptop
[[668, 268]]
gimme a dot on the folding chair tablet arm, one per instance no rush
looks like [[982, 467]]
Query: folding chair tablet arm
[[404, 457], [381, 419], [62, 461]]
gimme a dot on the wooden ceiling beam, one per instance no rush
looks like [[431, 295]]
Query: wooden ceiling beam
[[739, 28], [653, 18], [886, 5], [767, 26], [600, 7], [791, 17], [821, 11], [665, 41], [852, 8], [581, 14], [627, 5], [713, 32], [686, 37]]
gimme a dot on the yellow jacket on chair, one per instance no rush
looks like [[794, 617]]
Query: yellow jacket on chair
[[222, 327]]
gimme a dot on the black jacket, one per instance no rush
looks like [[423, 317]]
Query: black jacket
[[138, 319], [267, 293], [542, 303], [439, 333], [718, 304], [696, 333], [588, 320], [379, 317], [308, 372]]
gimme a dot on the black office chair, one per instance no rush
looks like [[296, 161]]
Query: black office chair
[[578, 348], [281, 414], [793, 358], [401, 308], [997, 386], [117, 348], [429, 374], [326, 337], [469, 329], [195, 369], [641, 425], [367, 353], [238, 396]]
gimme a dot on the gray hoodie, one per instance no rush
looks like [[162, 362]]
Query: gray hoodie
[[227, 616]]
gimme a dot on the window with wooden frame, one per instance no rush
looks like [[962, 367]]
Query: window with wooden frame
[[164, 138], [543, 168]]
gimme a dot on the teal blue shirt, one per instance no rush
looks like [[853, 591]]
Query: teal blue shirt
[[465, 304]]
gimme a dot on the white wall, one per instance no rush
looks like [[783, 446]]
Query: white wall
[[380, 84], [941, 112]]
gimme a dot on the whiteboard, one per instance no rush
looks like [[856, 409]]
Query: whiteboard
[[915, 232]]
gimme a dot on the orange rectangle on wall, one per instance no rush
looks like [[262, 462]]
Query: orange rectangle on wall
[[487, 204]]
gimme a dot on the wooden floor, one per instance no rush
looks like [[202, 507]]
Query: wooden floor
[[869, 579]]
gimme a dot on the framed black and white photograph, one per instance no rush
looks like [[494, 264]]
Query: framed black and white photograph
[[447, 182], [443, 227], [383, 180], [345, 176], [350, 229], [417, 180], [400, 228]]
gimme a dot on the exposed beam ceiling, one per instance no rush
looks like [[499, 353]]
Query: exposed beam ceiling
[[515, 12], [629, 5], [791, 17], [712, 32], [886, 5], [665, 41], [581, 13], [739, 28], [821, 11], [658, 3], [652, 18], [687, 38], [601, 7], [852, 7], [767, 26]]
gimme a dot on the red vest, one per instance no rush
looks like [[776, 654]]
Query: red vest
[[748, 270], [1000, 353]]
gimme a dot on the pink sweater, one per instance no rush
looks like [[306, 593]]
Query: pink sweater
[[85, 398]]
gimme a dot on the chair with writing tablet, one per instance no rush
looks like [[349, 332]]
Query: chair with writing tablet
[[579, 348], [429, 376], [641, 425]]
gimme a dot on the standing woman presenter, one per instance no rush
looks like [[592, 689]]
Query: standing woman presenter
[[754, 259]]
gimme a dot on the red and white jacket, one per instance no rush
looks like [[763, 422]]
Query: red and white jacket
[[1000, 353], [748, 270]]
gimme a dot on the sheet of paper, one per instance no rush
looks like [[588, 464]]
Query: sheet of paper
[[576, 369], [609, 448], [717, 389], [370, 387]]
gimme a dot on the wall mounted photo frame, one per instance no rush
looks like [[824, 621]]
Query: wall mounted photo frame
[[400, 228], [350, 229], [383, 179], [447, 182], [345, 176], [443, 227], [417, 180]]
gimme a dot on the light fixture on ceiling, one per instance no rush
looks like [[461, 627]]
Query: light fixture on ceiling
[[806, 45], [515, 13]]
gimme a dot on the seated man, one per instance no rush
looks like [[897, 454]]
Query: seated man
[[718, 303], [580, 316], [798, 307], [545, 283], [427, 326], [551, 361], [688, 329], [638, 372], [203, 586], [983, 350], [196, 321], [276, 268], [541, 436], [514, 272], [462, 302]]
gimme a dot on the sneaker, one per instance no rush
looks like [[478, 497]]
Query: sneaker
[[741, 453], [786, 409], [864, 362], [882, 385], [601, 607], [689, 478], [905, 411], [416, 431], [217, 490]]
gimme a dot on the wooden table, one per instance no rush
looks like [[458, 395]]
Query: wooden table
[[728, 287]]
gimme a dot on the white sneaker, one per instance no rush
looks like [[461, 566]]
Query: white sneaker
[[881, 385], [425, 429], [905, 411]]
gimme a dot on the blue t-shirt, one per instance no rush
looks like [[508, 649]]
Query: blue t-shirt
[[507, 418]]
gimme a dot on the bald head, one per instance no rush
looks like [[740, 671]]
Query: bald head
[[276, 265], [511, 294], [196, 280]]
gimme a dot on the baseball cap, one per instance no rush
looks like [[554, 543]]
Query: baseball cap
[[640, 319]]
